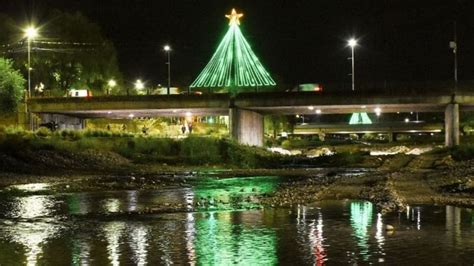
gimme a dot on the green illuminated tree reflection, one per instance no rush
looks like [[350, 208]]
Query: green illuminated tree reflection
[[233, 193], [361, 220], [224, 238]]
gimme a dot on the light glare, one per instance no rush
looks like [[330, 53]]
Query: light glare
[[352, 42], [31, 32]]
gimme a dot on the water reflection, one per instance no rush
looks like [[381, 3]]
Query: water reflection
[[139, 243], [33, 237], [81, 251], [33, 187], [132, 198], [32, 207], [222, 240], [111, 205], [218, 234], [232, 193], [361, 219], [379, 236], [310, 230], [78, 203], [113, 233]]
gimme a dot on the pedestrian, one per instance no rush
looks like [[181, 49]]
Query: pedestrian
[[183, 129], [108, 127], [190, 128], [124, 127]]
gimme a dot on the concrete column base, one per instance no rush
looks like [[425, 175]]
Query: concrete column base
[[451, 128], [246, 127]]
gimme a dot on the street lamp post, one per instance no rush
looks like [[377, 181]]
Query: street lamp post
[[30, 33], [167, 49], [352, 43]]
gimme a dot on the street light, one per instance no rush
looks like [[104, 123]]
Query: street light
[[112, 83], [30, 33], [352, 43], [139, 85], [167, 49]]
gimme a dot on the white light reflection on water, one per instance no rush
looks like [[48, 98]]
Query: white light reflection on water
[[379, 236], [33, 236], [139, 243], [132, 198], [113, 232], [111, 205], [453, 224], [190, 237], [418, 219], [32, 187], [32, 207]]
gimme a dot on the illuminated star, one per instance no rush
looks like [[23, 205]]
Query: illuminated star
[[234, 17]]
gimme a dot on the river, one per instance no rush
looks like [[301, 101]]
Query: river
[[229, 226]]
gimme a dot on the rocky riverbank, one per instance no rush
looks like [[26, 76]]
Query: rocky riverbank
[[396, 183], [390, 181]]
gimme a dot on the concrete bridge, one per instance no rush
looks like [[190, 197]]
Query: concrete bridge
[[246, 110]]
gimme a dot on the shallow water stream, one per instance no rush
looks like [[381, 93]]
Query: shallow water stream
[[229, 226]]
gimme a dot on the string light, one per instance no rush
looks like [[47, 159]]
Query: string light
[[233, 64]]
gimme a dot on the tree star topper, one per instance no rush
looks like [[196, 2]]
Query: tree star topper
[[234, 17]]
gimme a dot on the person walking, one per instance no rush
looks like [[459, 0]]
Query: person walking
[[190, 128]]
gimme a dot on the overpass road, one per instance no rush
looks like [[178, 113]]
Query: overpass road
[[247, 109]]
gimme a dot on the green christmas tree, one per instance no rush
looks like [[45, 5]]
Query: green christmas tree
[[234, 66], [360, 118]]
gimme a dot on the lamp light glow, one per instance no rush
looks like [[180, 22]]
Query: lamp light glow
[[31, 32], [352, 42], [112, 83], [139, 85]]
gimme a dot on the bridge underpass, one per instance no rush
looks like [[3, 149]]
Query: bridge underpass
[[392, 129], [246, 110]]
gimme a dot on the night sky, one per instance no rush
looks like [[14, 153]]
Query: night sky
[[297, 41]]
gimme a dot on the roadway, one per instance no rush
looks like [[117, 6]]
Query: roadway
[[264, 103]]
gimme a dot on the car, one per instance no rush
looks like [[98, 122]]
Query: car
[[80, 93]]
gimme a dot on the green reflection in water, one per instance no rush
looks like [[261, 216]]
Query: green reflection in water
[[226, 238], [233, 193], [361, 220]]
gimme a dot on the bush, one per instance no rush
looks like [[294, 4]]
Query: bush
[[98, 133], [72, 135], [462, 153], [200, 150], [43, 132]]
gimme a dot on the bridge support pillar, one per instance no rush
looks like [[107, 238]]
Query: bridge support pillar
[[392, 137], [451, 122], [246, 126]]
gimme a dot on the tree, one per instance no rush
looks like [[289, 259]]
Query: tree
[[71, 53], [12, 86], [234, 65], [276, 124]]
